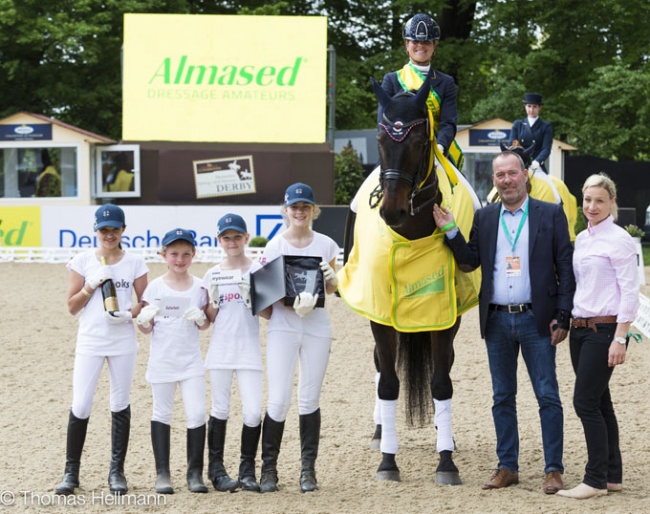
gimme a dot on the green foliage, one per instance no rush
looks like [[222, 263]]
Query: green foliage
[[634, 231], [589, 60], [257, 242], [348, 172], [581, 221]]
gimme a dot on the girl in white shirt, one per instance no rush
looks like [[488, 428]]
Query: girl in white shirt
[[173, 315], [103, 337], [234, 348], [300, 335]]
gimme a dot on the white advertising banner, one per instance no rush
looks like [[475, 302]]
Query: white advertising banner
[[72, 226]]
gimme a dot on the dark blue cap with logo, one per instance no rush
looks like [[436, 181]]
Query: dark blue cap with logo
[[178, 234], [231, 222], [109, 215], [298, 192]]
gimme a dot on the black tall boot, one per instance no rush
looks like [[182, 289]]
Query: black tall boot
[[120, 430], [160, 434], [216, 470], [309, 438], [76, 438], [195, 450], [271, 440], [250, 438]]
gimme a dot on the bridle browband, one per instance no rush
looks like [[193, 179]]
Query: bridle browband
[[398, 132]]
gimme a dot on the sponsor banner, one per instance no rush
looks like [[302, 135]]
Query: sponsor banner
[[72, 226], [20, 226], [489, 137], [26, 132], [224, 177], [224, 78]]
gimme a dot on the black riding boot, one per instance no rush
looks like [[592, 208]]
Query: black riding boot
[[271, 440], [160, 434], [120, 430], [195, 451], [250, 438], [309, 438], [216, 470], [76, 438]]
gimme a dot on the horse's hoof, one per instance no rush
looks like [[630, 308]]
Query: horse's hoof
[[448, 478], [390, 475], [375, 444]]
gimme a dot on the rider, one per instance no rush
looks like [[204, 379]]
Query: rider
[[421, 37]]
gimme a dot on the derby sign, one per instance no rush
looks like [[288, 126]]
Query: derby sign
[[224, 78]]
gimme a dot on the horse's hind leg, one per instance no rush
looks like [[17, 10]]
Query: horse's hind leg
[[388, 392], [375, 441], [442, 392]]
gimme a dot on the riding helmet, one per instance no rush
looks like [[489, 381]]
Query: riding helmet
[[421, 27]]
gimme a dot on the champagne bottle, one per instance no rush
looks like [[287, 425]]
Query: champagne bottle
[[109, 294]]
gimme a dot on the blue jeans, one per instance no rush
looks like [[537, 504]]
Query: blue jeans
[[505, 334]]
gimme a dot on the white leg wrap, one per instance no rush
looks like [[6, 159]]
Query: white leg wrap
[[442, 421], [377, 413], [388, 426]]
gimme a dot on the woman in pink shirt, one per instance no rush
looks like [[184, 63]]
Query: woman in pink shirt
[[604, 306]]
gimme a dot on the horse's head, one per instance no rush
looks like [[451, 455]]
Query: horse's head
[[404, 152]]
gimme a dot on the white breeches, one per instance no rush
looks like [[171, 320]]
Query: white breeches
[[193, 395], [249, 383]]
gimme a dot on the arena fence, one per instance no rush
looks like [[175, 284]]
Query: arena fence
[[57, 255]]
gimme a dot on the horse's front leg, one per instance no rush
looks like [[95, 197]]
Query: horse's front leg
[[442, 392], [387, 393]]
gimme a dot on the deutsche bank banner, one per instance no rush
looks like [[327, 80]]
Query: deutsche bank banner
[[224, 78], [72, 226]]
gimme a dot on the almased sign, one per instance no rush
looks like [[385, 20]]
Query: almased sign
[[224, 78]]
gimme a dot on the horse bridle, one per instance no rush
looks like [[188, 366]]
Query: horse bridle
[[398, 132]]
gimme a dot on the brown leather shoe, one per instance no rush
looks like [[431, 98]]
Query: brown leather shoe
[[501, 478], [553, 482]]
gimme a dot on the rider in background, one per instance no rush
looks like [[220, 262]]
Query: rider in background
[[533, 130], [421, 37]]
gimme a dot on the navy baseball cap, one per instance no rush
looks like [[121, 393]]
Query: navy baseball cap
[[109, 215], [231, 222], [298, 192], [178, 234]]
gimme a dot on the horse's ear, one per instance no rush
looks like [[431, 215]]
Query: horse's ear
[[423, 92], [504, 147], [380, 93]]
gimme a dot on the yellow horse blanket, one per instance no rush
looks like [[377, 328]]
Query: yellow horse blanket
[[413, 286]]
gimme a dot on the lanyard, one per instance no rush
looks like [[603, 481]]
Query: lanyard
[[521, 226]]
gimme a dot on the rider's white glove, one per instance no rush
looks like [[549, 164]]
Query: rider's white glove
[[100, 276], [304, 304], [534, 166], [245, 292], [118, 317], [329, 273], [146, 315], [442, 149], [195, 314], [213, 294]]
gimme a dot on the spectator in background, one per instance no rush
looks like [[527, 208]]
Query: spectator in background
[[533, 130]]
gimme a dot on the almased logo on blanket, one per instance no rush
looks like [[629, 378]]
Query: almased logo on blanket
[[20, 226], [431, 284]]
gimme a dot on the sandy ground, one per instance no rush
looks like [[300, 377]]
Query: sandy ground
[[38, 339]]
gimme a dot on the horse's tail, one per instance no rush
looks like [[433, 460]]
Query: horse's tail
[[415, 365]]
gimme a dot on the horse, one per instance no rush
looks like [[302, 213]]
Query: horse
[[421, 358]]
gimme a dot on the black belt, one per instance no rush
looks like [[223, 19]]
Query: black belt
[[515, 308]]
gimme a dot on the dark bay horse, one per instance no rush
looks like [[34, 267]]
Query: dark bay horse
[[408, 188]]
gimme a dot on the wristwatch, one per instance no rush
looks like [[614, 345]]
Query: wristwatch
[[620, 340]]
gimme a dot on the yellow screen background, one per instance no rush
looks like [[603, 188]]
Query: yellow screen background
[[156, 109]]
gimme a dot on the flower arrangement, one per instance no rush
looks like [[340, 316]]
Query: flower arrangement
[[634, 231]]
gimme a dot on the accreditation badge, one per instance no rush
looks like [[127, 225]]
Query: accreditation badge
[[513, 266]]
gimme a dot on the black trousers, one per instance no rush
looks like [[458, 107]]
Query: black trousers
[[593, 404]]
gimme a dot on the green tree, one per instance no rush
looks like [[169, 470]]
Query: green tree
[[348, 173]]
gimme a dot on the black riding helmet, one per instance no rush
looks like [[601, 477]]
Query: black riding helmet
[[421, 27]]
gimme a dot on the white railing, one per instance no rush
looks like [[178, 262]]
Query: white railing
[[56, 255]]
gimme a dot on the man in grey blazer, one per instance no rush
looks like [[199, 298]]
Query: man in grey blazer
[[525, 254]]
